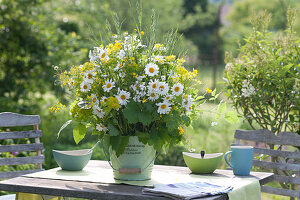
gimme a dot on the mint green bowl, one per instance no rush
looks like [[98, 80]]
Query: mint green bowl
[[206, 165], [74, 160]]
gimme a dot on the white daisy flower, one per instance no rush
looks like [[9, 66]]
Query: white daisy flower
[[104, 99], [98, 111], [123, 97], [96, 61], [103, 54], [118, 67], [163, 88], [140, 78], [121, 54], [189, 107], [122, 74], [114, 36], [163, 108], [89, 76], [159, 59], [188, 101], [177, 89], [101, 127], [151, 69], [94, 99], [136, 98], [153, 85], [152, 95], [109, 84], [168, 98], [142, 86], [85, 86]]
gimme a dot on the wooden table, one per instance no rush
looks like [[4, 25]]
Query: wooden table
[[103, 191]]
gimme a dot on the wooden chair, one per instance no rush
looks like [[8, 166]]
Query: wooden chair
[[8, 119], [284, 163]]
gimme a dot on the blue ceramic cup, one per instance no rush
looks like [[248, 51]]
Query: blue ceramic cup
[[241, 159]]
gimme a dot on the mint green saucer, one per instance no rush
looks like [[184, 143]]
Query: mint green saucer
[[205, 165], [74, 160]]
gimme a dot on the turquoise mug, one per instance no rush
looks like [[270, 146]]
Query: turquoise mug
[[241, 159]]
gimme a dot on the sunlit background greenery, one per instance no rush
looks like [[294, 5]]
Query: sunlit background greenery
[[36, 35]]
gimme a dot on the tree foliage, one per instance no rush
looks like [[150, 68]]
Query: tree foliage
[[30, 44]]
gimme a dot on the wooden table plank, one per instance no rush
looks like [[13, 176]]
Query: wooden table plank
[[104, 191]]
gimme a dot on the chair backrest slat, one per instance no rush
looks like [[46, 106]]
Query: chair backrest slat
[[287, 179], [266, 136], [272, 165], [280, 166], [21, 147], [271, 152], [8, 119], [22, 160], [280, 191], [13, 174], [20, 134]]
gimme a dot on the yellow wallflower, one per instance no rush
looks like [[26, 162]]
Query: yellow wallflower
[[181, 60], [208, 90], [112, 103], [55, 108], [170, 58], [118, 45], [181, 131], [195, 72]]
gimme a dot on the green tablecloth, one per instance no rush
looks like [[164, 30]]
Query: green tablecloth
[[245, 188]]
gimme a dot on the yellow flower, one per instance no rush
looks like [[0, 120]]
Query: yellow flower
[[118, 45], [142, 32], [73, 34], [181, 60], [195, 72], [181, 131], [112, 103], [170, 58], [55, 108], [134, 29], [208, 90]]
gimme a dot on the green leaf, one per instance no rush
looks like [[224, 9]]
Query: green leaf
[[200, 97], [214, 92], [145, 118], [143, 137], [63, 127], [186, 120], [113, 131], [79, 132], [222, 107], [231, 117], [118, 144], [130, 112]]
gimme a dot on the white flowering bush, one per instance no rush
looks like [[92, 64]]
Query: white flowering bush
[[132, 88], [263, 80]]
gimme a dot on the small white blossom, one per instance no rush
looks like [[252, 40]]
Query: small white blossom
[[164, 107], [214, 123], [151, 69], [85, 86], [123, 97], [101, 127], [177, 89], [109, 84], [98, 112]]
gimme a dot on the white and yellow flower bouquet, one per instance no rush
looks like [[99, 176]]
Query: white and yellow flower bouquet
[[131, 88]]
